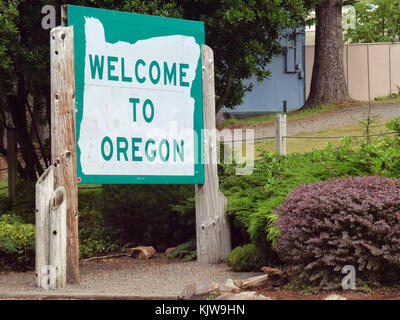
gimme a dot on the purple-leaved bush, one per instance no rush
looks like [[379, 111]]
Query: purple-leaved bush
[[351, 221]]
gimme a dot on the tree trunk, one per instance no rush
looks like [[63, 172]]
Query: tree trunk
[[328, 84], [227, 91], [28, 152]]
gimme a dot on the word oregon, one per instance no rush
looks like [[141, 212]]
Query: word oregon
[[116, 69], [124, 150]]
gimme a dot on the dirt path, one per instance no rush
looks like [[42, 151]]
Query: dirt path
[[336, 118], [124, 278], [158, 278]]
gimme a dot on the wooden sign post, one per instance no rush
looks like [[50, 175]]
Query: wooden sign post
[[44, 189], [280, 133], [212, 228], [51, 234], [58, 236], [159, 81], [63, 141]]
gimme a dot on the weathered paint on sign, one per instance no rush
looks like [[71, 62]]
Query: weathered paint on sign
[[139, 97]]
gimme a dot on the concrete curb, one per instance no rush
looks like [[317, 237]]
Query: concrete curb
[[79, 296]]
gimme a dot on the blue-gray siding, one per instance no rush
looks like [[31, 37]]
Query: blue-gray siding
[[268, 96]]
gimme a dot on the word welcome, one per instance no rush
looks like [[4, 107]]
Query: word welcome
[[106, 68]]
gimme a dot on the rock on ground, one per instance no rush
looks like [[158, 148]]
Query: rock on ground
[[142, 252], [230, 284], [335, 297], [246, 295], [197, 290]]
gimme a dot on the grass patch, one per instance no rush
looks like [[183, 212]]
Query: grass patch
[[83, 188], [298, 114], [266, 118], [393, 98], [89, 188], [4, 187], [307, 145]]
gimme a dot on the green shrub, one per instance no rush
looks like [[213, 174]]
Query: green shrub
[[186, 251], [95, 238], [252, 199], [17, 244], [246, 258], [148, 214], [23, 204], [90, 198], [352, 221], [394, 125], [97, 241]]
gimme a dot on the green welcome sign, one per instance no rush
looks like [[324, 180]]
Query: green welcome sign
[[139, 97]]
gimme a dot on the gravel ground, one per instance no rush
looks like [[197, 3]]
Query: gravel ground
[[157, 277], [337, 118]]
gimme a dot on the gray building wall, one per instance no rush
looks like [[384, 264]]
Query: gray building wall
[[287, 82]]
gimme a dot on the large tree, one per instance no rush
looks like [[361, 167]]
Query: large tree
[[328, 83], [399, 15], [24, 81], [244, 35], [376, 21]]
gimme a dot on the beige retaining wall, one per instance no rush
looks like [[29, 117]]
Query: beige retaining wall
[[371, 69]]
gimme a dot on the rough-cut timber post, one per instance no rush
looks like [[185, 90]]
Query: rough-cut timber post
[[212, 226], [280, 129], [63, 147], [12, 161], [44, 189], [58, 236]]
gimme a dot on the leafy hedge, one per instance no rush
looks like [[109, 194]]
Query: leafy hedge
[[253, 198], [23, 204], [147, 214], [246, 258], [353, 221], [186, 251], [17, 244], [95, 237]]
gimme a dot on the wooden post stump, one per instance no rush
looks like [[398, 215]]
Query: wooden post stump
[[58, 236], [44, 189], [212, 226], [280, 127]]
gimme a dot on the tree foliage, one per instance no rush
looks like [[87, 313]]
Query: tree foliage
[[244, 35], [376, 21], [24, 80]]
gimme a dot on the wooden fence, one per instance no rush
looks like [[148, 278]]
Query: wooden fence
[[371, 69]]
